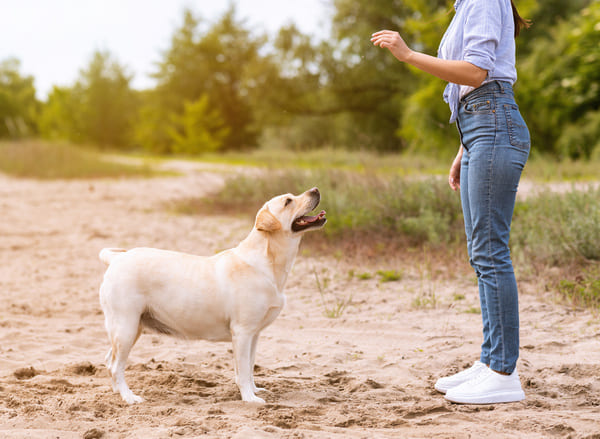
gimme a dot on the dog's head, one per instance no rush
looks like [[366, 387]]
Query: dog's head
[[290, 213]]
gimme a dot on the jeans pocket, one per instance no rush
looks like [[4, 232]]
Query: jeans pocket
[[517, 128], [478, 106]]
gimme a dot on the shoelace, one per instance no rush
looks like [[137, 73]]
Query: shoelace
[[480, 377], [470, 370]]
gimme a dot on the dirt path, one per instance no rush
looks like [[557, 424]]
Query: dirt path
[[367, 373]]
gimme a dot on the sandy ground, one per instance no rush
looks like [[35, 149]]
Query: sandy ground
[[366, 373]]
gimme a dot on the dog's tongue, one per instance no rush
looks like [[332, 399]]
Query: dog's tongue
[[310, 219]]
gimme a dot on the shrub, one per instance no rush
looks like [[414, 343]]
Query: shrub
[[558, 229], [419, 211]]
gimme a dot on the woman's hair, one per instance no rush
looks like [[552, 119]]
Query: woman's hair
[[520, 22]]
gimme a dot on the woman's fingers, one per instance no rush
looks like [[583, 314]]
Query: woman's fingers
[[381, 32], [454, 184], [391, 40], [383, 37], [454, 176]]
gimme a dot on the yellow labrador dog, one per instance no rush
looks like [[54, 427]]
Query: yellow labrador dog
[[230, 296]]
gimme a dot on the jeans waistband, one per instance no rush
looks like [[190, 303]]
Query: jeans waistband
[[489, 87]]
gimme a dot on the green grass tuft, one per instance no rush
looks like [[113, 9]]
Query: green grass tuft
[[389, 275]]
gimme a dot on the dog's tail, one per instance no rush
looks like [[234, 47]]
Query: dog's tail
[[107, 254]]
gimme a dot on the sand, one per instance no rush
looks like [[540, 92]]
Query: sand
[[366, 373]]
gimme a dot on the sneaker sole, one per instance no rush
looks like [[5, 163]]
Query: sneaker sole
[[441, 389], [493, 398]]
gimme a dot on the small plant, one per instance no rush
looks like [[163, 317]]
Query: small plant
[[458, 296], [425, 300], [364, 276], [389, 275], [473, 310], [584, 290], [338, 307]]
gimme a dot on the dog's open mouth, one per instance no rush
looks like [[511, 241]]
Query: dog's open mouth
[[306, 222]]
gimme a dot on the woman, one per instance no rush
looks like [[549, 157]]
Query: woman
[[477, 58]]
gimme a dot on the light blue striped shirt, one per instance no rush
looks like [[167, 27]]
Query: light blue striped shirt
[[482, 33]]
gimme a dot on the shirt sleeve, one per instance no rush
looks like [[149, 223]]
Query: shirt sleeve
[[482, 31]]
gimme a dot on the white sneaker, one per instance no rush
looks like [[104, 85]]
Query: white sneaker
[[447, 383], [488, 387]]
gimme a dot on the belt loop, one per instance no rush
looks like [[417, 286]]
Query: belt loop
[[500, 85]]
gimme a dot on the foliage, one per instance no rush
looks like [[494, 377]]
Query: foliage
[[560, 84], [584, 289], [569, 232], [419, 211], [209, 65], [221, 86], [199, 129], [99, 109], [18, 104]]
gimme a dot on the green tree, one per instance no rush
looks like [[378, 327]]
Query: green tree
[[394, 105], [209, 62], [18, 104], [291, 97], [99, 109], [60, 116], [199, 129], [107, 103], [560, 86]]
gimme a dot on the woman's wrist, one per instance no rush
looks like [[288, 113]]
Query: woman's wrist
[[409, 59]]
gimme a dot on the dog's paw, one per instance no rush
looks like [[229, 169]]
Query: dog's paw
[[259, 389], [253, 398], [132, 398]]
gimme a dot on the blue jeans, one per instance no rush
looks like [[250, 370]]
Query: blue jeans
[[496, 145]]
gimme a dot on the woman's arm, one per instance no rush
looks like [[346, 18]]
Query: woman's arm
[[458, 72]]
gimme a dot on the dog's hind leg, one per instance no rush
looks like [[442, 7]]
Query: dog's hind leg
[[108, 361], [125, 336]]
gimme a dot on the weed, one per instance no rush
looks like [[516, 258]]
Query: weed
[[339, 305], [390, 275], [584, 290], [458, 296], [364, 276], [425, 300]]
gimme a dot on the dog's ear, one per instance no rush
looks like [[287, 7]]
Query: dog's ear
[[266, 221]]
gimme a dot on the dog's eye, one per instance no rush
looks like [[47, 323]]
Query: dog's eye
[[288, 201]]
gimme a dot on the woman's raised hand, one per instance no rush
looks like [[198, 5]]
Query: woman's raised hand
[[387, 39]]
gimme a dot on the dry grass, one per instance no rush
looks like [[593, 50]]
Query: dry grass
[[44, 160]]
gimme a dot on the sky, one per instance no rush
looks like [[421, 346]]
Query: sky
[[55, 39]]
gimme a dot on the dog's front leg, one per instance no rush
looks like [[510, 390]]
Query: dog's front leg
[[253, 362], [242, 353]]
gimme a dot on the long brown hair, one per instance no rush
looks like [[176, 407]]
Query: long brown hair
[[520, 22]]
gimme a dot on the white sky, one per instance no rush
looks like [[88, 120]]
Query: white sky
[[55, 39]]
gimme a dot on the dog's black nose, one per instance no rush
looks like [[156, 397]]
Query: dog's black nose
[[315, 191]]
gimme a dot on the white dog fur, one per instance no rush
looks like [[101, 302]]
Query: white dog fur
[[230, 296]]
